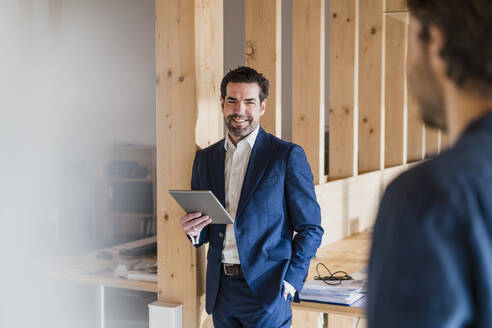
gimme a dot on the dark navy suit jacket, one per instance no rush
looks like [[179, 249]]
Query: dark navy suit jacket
[[431, 258], [277, 198]]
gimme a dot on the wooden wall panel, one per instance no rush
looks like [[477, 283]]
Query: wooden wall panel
[[186, 97], [263, 52], [395, 112], [343, 49], [432, 141], [308, 82], [415, 139], [444, 141], [350, 205], [396, 5], [370, 87]]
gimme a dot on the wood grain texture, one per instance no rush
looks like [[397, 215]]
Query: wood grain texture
[[370, 79], [209, 66], [432, 141], [264, 53], [304, 319], [415, 139], [396, 5], [395, 90], [343, 141], [350, 205], [308, 82], [176, 112]]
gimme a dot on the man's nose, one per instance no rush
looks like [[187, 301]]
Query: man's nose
[[240, 108]]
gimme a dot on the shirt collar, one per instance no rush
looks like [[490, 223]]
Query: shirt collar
[[250, 139]]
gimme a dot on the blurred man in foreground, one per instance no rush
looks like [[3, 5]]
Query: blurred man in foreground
[[431, 258]]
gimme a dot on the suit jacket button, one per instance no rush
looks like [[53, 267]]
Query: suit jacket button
[[221, 234]]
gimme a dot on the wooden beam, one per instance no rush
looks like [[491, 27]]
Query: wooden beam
[[371, 85], [343, 67], [396, 5], [308, 82], [263, 52], [432, 140], [415, 132], [187, 93], [209, 64], [395, 90], [444, 141]]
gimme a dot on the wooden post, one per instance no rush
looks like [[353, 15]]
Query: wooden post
[[343, 89], [308, 82], [371, 89], [182, 107], [432, 140], [263, 52], [415, 139], [396, 5], [209, 60], [395, 111]]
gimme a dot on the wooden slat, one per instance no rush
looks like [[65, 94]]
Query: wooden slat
[[308, 82], [431, 141], [444, 141], [182, 26], [370, 87], [209, 63], [343, 141], [396, 5], [415, 132], [395, 118], [263, 52]]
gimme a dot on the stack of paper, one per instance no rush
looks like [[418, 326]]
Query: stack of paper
[[346, 293]]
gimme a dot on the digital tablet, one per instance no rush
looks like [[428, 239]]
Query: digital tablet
[[203, 201]]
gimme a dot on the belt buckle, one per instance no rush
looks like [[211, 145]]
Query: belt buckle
[[227, 265]]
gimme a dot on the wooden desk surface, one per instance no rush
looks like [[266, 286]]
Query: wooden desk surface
[[350, 255], [91, 270]]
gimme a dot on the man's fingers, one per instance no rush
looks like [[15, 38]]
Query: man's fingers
[[194, 225], [188, 217], [200, 226]]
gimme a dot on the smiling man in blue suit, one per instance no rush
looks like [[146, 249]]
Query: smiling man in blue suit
[[256, 266]]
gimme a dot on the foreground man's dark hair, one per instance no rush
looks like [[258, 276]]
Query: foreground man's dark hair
[[467, 28]]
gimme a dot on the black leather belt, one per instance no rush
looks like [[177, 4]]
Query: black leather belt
[[232, 269]]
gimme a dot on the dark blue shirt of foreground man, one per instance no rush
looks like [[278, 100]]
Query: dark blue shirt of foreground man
[[431, 258]]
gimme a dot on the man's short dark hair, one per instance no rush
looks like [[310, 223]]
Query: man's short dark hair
[[467, 29], [247, 75]]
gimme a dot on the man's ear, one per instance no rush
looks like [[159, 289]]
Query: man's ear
[[262, 107], [435, 45], [222, 104]]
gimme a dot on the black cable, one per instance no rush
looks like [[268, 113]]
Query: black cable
[[332, 279]]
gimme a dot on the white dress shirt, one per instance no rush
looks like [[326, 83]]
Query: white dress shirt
[[236, 164]]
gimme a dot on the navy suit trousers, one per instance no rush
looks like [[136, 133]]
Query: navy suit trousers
[[237, 307]]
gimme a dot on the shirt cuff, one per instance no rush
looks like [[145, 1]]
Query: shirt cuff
[[194, 239], [289, 289]]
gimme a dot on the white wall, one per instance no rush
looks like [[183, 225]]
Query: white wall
[[75, 77]]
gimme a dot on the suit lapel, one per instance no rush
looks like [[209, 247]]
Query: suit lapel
[[216, 164], [258, 161]]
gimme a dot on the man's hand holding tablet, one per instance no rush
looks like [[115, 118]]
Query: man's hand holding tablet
[[193, 223]]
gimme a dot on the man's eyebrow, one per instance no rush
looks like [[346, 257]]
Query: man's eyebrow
[[230, 98], [250, 99]]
